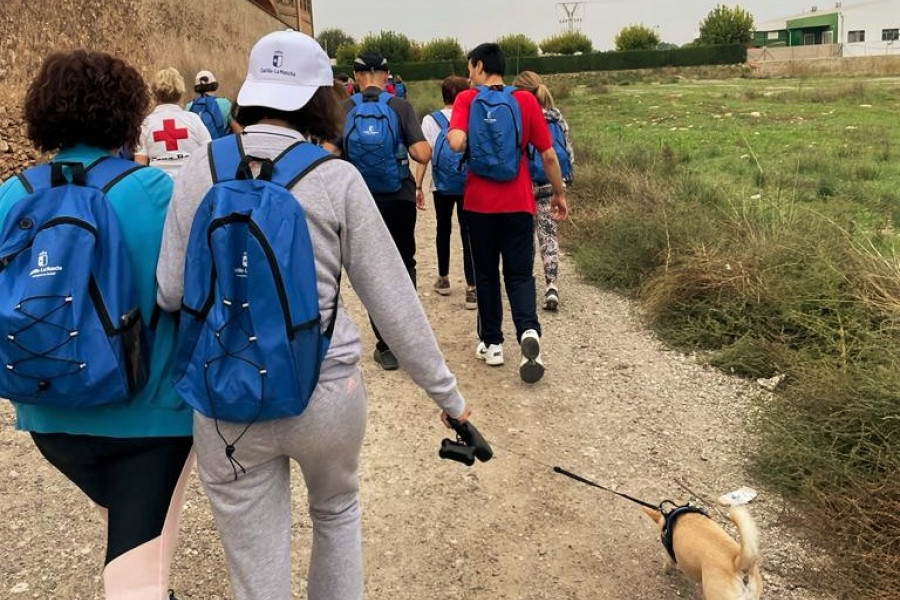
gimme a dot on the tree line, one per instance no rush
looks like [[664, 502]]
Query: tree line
[[723, 25]]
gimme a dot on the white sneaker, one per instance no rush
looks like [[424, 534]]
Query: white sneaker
[[531, 369], [492, 355], [551, 298]]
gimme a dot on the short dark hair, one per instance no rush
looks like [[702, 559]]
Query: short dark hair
[[205, 88], [320, 119], [452, 86], [88, 98], [491, 57]]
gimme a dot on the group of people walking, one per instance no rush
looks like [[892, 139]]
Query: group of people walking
[[201, 315]]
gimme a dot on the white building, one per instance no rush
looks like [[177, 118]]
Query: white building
[[862, 28]]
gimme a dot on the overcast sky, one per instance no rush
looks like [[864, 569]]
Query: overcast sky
[[476, 21]]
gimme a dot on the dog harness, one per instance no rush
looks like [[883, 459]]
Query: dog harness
[[668, 531]]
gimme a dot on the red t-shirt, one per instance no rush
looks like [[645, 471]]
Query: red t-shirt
[[487, 196]]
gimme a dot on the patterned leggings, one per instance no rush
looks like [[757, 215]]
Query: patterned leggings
[[546, 233]]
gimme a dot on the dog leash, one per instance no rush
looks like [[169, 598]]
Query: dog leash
[[669, 510], [585, 481], [581, 479]]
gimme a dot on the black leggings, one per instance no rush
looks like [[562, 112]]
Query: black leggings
[[132, 478], [443, 211]]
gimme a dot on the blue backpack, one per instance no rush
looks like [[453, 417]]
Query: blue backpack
[[250, 344], [495, 134], [71, 333], [211, 114], [536, 165], [373, 142], [400, 90], [447, 167]]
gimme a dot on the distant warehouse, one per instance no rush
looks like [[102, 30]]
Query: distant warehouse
[[859, 29]]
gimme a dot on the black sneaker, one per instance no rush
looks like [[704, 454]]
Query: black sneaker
[[172, 595], [386, 359], [471, 298]]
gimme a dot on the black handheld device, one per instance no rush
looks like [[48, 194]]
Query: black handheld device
[[469, 445]]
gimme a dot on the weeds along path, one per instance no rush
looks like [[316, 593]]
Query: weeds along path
[[615, 406]]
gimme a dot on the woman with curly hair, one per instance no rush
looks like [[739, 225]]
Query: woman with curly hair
[[131, 457], [169, 134]]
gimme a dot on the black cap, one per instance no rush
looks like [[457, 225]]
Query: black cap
[[370, 61]]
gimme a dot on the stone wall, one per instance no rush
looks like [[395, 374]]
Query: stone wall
[[150, 34]]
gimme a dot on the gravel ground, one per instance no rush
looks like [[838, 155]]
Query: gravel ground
[[615, 406]]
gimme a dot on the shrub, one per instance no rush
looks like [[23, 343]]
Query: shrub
[[394, 46], [637, 37], [347, 53], [332, 39], [567, 43], [725, 25], [517, 45], [442, 49]]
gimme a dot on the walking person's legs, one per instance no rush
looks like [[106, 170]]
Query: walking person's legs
[[443, 213], [328, 440], [138, 484], [548, 242], [468, 268], [252, 511], [518, 276], [485, 243], [400, 218]]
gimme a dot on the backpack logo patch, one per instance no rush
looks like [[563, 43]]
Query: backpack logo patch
[[43, 269], [370, 131], [489, 117], [243, 270]]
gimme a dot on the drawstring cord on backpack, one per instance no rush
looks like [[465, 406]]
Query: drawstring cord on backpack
[[230, 446]]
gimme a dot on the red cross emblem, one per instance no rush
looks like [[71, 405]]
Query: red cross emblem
[[170, 134]]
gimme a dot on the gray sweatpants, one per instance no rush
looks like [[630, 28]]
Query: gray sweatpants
[[253, 513]]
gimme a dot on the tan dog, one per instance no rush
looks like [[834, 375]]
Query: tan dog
[[708, 555]]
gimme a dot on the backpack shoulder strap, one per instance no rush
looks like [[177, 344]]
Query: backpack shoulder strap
[[357, 98], [296, 162], [225, 156], [35, 178], [440, 119], [384, 97], [106, 172]]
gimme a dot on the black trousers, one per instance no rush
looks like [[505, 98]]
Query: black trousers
[[400, 218], [133, 478], [443, 211], [510, 237]]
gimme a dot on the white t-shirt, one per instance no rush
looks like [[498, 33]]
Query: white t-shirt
[[168, 136], [431, 129]]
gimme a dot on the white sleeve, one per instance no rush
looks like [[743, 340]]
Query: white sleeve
[[430, 129]]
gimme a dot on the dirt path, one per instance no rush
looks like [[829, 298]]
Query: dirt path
[[614, 406]]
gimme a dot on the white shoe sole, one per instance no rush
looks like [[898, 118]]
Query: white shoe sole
[[532, 369]]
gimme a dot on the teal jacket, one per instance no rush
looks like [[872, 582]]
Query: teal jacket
[[140, 200]]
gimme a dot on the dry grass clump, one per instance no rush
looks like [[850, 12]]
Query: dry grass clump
[[767, 287]]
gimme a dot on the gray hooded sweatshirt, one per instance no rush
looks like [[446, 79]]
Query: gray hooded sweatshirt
[[347, 231]]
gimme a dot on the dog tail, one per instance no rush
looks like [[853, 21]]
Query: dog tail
[[749, 555]]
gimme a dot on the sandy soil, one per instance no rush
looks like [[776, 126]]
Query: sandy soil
[[615, 406]]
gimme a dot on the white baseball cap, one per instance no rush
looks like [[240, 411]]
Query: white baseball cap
[[286, 68], [204, 77]]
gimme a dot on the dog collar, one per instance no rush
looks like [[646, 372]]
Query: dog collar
[[668, 531]]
